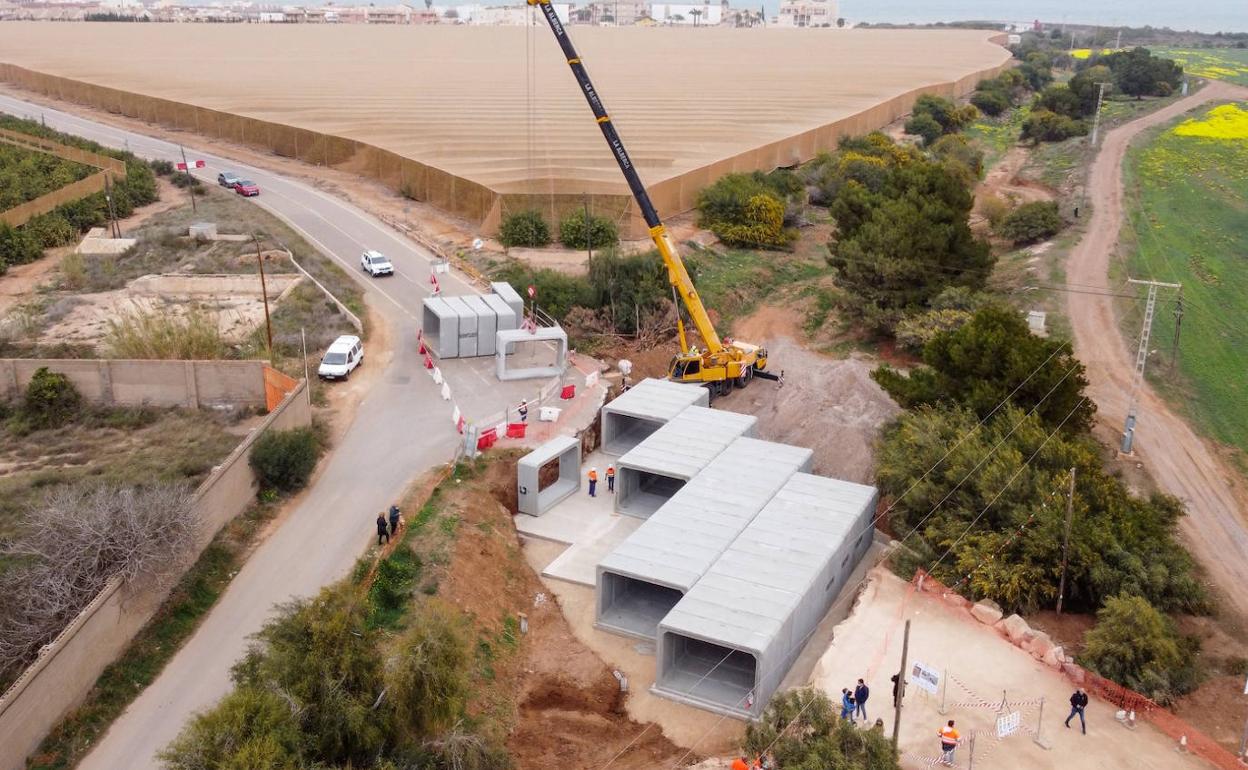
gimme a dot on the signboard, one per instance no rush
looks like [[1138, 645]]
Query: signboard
[[532, 292], [924, 677], [1008, 724]]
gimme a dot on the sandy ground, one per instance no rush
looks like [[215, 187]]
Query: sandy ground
[[476, 119], [237, 313], [1183, 463], [982, 670], [850, 407], [1003, 181]]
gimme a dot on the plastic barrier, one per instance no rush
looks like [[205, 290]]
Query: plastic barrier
[[569, 391], [516, 429]]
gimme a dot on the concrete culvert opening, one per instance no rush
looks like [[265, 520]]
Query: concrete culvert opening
[[640, 493], [705, 672], [622, 432], [631, 606]]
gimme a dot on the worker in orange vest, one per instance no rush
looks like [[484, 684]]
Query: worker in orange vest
[[593, 482], [611, 479], [740, 764]]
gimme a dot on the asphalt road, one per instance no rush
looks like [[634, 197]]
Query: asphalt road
[[400, 429]]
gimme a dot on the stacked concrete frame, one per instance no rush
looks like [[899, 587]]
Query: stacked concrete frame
[[728, 644], [647, 575], [641, 410], [650, 473]]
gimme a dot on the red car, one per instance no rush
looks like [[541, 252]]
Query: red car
[[246, 187]]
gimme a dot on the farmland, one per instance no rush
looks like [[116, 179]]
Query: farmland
[[1186, 189], [1229, 64]]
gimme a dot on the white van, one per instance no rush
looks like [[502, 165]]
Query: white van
[[340, 360]]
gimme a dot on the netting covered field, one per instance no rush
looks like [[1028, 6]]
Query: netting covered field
[[481, 120]]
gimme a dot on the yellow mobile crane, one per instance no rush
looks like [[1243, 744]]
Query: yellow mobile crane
[[718, 366]]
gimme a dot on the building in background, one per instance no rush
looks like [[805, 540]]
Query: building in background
[[807, 13], [705, 14]]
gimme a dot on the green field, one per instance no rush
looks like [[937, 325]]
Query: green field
[[1229, 64], [1187, 198]]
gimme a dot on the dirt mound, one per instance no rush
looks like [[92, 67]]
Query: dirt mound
[[830, 405], [558, 702]]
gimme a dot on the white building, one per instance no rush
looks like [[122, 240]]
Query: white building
[[694, 15], [807, 13]]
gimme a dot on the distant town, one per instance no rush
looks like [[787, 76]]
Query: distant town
[[792, 13]]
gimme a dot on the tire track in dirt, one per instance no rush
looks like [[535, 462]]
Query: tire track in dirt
[[1180, 461]]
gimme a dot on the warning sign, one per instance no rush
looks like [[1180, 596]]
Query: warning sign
[[1008, 724]]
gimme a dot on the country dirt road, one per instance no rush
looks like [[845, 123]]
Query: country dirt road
[[1180, 461]]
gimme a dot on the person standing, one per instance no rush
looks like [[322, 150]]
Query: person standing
[[861, 693], [593, 482], [394, 519], [611, 479], [1078, 702], [847, 705], [949, 740], [383, 528], [523, 409]]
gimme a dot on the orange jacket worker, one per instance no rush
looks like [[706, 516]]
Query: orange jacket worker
[[593, 482]]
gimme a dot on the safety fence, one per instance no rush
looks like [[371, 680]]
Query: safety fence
[[1186, 736], [464, 197], [97, 182]]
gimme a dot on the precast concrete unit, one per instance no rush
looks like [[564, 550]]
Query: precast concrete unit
[[509, 295], [643, 409], [534, 499], [440, 324], [650, 473], [506, 318], [467, 326], [728, 644], [487, 324], [640, 581], [508, 340]]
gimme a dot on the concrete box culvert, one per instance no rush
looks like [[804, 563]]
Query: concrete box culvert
[[467, 326], [487, 324], [646, 575], [507, 294], [641, 410], [506, 317], [440, 324], [649, 474], [764, 596], [534, 499]]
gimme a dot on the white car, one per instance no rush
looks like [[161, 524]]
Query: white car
[[340, 360], [375, 263]]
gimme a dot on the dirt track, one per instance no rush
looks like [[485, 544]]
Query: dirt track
[[1180, 461]]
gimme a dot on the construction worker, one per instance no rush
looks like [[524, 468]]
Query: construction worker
[[523, 409], [740, 763], [949, 740], [611, 479], [593, 482]]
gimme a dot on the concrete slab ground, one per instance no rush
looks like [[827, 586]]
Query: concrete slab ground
[[981, 669], [589, 526]]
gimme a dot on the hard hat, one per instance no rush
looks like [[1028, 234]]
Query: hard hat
[[593, 469]]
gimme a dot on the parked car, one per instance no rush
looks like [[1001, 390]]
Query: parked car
[[246, 188], [375, 263], [228, 179], [341, 358]]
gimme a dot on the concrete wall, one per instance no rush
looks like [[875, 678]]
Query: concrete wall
[[68, 667], [191, 384]]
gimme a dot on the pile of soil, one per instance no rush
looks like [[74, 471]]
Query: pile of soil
[[561, 703]]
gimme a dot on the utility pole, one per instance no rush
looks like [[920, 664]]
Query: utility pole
[[1118, 42], [190, 188], [264, 292], [1096, 119], [1070, 509], [1141, 356], [901, 686], [1178, 324], [113, 224]]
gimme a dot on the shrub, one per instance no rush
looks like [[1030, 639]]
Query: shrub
[[526, 228], [725, 202], [51, 230], [1138, 647], [74, 271], [925, 127], [801, 729], [17, 246], [1031, 222], [158, 335], [162, 167], [284, 459], [51, 400], [601, 231], [990, 102], [761, 225], [1045, 126], [994, 210], [955, 149]]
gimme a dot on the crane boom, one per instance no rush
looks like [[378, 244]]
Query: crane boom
[[676, 271]]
